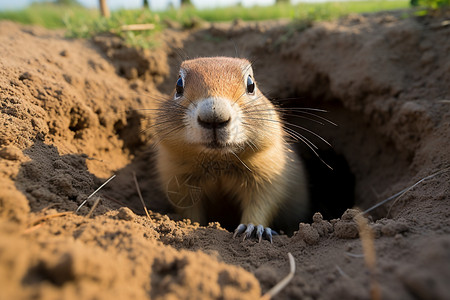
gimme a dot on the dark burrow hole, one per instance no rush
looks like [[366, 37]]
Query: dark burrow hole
[[330, 180], [331, 190], [366, 162]]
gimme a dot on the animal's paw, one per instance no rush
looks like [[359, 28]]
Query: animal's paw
[[251, 230]]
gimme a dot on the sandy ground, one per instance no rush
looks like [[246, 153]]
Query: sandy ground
[[73, 113]]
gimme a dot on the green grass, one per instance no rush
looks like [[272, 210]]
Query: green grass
[[44, 14], [81, 22], [314, 11], [83, 25]]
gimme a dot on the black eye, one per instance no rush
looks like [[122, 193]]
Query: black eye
[[250, 85], [180, 87]]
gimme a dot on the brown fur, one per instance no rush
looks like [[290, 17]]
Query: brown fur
[[261, 183]]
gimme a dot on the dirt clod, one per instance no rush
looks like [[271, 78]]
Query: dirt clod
[[11, 152], [322, 227], [308, 233], [125, 214]]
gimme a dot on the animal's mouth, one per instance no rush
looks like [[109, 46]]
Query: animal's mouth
[[221, 147], [216, 145]]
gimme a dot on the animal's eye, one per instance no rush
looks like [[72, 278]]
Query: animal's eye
[[180, 87], [250, 85]]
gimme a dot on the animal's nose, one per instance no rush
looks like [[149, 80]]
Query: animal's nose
[[214, 113], [213, 123]]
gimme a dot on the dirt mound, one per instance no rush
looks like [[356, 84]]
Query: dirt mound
[[74, 112]]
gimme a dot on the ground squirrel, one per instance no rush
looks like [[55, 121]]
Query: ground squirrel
[[222, 151]]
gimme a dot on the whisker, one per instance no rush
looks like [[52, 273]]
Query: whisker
[[142, 131], [288, 99], [170, 131], [311, 147], [299, 136], [246, 105], [192, 102], [299, 110], [158, 125], [293, 135], [310, 131], [146, 94], [165, 99], [182, 109], [252, 145], [239, 97], [315, 115], [296, 137], [303, 108], [307, 142], [286, 114], [235, 155], [294, 125]]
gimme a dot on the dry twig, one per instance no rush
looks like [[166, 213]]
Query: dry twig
[[140, 195], [96, 202], [282, 284], [368, 244], [343, 274], [37, 223], [137, 27]]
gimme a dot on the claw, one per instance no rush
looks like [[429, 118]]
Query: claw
[[240, 229], [249, 231], [259, 232], [268, 233]]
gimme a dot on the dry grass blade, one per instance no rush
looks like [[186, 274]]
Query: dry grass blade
[[354, 255], [368, 244], [37, 222], [96, 202], [402, 192], [105, 183], [282, 284], [140, 195], [343, 274], [45, 218]]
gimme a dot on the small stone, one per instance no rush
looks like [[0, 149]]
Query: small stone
[[25, 76], [125, 214]]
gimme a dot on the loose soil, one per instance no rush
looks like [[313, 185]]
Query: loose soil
[[75, 112]]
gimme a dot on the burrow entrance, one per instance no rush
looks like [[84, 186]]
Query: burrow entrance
[[355, 170], [364, 163]]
